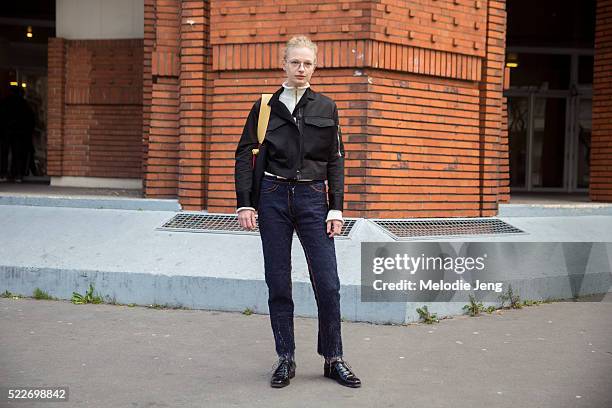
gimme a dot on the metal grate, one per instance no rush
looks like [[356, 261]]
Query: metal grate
[[436, 228], [190, 222], [224, 224]]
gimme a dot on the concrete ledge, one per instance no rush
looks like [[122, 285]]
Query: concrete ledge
[[554, 210], [215, 293], [98, 202], [96, 182], [61, 250]]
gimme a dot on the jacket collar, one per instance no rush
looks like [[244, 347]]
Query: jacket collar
[[309, 94], [281, 110]]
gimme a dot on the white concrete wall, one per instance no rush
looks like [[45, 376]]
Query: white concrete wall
[[99, 19]]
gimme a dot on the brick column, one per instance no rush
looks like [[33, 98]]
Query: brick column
[[491, 108], [163, 139], [600, 186], [147, 84], [56, 104], [194, 57]]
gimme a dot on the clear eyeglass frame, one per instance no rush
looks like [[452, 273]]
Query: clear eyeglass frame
[[295, 64]]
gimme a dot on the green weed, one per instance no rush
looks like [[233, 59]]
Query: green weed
[[8, 294], [490, 309], [42, 295], [427, 317], [514, 300], [473, 308], [89, 297]]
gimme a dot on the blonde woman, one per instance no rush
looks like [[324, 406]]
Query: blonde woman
[[286, 186]]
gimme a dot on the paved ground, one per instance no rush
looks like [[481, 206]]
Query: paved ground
[[553, 355]]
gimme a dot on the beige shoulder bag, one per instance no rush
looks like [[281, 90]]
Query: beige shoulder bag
[[262, 122]]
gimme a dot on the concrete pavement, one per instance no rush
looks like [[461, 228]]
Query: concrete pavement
[[553, 355]]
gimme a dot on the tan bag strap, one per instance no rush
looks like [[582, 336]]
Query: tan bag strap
[[264, 117]]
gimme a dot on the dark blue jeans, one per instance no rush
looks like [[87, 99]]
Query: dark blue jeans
[[286, 206]]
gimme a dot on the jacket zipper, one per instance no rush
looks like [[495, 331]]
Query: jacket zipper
[[301, 129]]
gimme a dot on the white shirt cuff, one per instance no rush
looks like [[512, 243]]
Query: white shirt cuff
[[334, 215], [244, 208]]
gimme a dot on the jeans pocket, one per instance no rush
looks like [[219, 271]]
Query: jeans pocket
[[268, 187], [319, 187]]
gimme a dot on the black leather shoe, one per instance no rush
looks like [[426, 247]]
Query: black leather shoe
[[282, 374], [340, 371]]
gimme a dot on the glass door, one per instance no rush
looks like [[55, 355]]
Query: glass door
[[580, 143], [549, 119], [550, 142], [518, 136], [537, 131], [547, 144]]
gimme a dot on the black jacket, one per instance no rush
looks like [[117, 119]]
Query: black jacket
[[307, 147]]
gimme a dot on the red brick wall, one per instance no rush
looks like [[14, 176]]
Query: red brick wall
[[422, 158], [600, 188], [493, 142], [162, 161], [194, 127], [147, 85], [55, 115], [95, 108], [418, 85], [177, 68]]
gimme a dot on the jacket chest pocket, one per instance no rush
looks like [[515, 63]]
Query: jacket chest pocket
[[319, 136], [319, 121], [319, 126], [282, 140]]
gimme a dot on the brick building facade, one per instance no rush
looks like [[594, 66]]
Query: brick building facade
[[419, 86], [601, 156]]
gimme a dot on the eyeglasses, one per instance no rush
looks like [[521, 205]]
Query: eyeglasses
[[295, 64]]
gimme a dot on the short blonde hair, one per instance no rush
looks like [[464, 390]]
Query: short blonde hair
[[300, 41]]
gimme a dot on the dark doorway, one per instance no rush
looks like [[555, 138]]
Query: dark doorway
[[549, 100], [25, 27]]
